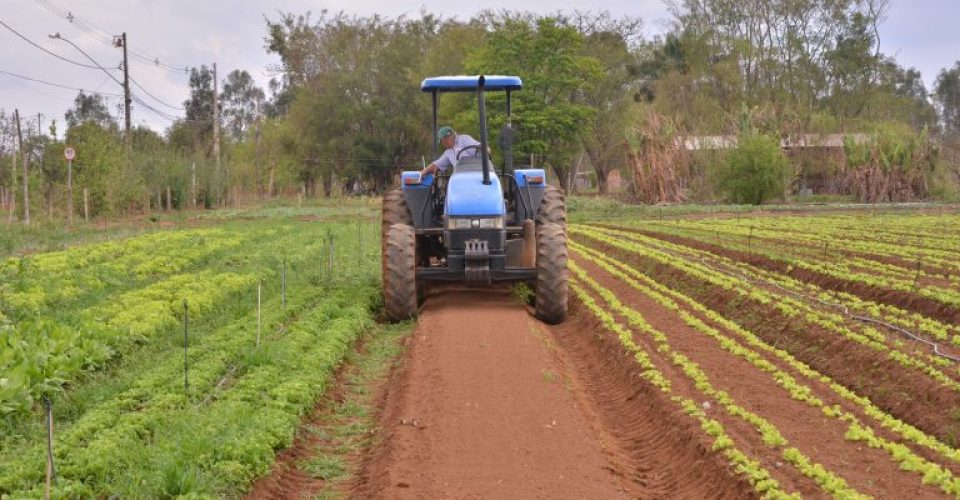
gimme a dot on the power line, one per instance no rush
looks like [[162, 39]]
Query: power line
[[105, 37], [58, 84], [155, 98], [94, 61], [54, 54]]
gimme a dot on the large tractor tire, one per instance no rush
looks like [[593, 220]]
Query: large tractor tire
[[553, 208], [551, 292], [395, 211], [400, 273]]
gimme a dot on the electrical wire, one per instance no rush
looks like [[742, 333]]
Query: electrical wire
[[94, 61], [22, 77], [105, 37], [35, 44], [155, 98]]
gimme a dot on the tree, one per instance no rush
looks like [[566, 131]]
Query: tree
[[199, 109], [357, 111], [241, 102], [946, 92], [549, 113], [610, 96], [96, 167], [89, 108]]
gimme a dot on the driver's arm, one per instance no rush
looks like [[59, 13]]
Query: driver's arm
[[439, 164], [430, 169]]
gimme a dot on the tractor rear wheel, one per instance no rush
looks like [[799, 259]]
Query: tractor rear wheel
[[399, 273], [550, 301], [553, 208]]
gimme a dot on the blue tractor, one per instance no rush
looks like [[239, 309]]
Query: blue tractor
[[474, 225]]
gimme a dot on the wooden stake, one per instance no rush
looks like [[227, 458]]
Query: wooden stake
[[258, 314], [186, 327], [51, 472]]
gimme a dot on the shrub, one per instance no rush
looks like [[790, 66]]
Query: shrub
[[894, 165], [754, 171]]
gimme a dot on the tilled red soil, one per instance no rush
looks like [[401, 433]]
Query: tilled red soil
[[491, 403], [907, 394], [820, 438]]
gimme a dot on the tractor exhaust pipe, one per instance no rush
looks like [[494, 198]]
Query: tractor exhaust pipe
[[485, 158]]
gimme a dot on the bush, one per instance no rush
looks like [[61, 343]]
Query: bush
[[895, 165], [754, 171]]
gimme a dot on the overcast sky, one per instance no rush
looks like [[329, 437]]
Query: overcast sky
[[921, 34]]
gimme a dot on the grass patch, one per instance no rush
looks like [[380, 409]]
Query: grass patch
[[349, 427]]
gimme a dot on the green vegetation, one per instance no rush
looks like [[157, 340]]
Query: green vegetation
[[346, 428], [105, 345], [594, 89], [754, 171]]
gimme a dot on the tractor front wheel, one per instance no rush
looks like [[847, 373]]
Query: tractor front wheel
[[394, 211], [553, 208], [551, 292], [400, 273]]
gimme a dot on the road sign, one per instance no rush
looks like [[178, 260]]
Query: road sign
[[69, 153]]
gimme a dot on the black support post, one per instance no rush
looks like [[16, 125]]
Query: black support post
[[485, 158]]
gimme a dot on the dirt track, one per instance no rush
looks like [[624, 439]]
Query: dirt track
[[491, 403]]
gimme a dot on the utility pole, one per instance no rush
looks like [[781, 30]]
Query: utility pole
[[121, 41], [26, 160], [259, 169], [13, 181], [216, 133]]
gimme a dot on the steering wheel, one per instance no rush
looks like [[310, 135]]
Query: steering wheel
[[466, 148]]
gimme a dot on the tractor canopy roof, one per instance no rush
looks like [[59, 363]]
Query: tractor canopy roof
[[468, 83]]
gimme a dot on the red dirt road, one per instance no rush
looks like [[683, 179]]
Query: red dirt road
[[481, 407]]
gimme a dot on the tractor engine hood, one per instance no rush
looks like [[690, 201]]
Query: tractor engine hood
[[468, 196]]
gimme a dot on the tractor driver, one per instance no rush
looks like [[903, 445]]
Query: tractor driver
[[453, 143]]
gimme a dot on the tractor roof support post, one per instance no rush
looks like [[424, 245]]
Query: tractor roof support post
[[485, 158], [434, 134], [508, 154]]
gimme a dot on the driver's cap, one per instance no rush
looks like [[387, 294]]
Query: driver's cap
[[444, 131]]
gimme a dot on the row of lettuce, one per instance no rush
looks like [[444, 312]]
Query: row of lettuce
[[741, 282], [918, 254], [247, 388], [911, 449]]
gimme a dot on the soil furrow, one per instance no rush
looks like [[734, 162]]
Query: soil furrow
[[904, 300], [903, 393], [807, 428], [491, 403]]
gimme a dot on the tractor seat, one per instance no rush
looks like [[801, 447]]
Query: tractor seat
[[469, 164]]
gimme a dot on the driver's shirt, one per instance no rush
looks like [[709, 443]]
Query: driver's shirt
[[449, 157]]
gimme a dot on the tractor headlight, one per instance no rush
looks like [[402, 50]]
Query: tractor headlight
[[475, 223]]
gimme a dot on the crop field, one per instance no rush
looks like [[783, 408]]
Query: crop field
[[818, 355], [176, 362], [706, 355]]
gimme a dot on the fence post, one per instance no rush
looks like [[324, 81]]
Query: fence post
[[330, 257], [258, 314], [186, 323], [51, 470]]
